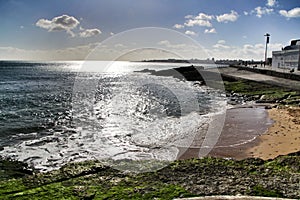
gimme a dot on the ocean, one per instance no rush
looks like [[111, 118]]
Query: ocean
[[52, 113]]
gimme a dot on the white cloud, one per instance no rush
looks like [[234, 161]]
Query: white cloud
[[177, 46], [257, 51], [188, 16], [89, 32], [246, 13], [167, 43], [271, 3], [66, 23], [233, 16], [212, 30], [221, 46], [44, 23], [204, 16], [72, 53], [201, 19], [60, 23], [221, 50], [295, 12], [225, 50], [178, 26], [221, 42], [246, 51], [184, 49], [119, 45], [275, 46], [260, 11], [190, 33], [110, 51], [164, 43], [197, 22]]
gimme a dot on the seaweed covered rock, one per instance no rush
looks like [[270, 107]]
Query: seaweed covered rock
[[279, 177], [10, 168]]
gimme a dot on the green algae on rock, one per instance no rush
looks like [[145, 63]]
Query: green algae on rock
[[279, 177]]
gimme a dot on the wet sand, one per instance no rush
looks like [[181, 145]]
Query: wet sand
[[255, 132], [242, 125], [282, 138]]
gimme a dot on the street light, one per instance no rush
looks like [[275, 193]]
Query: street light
[[267, 42]]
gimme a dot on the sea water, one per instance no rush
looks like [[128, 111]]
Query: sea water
[[52, 113]]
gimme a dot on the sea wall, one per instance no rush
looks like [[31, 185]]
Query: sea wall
[[269, 72]]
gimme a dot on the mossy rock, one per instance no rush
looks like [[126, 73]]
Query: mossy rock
[[279, 177], [10, 168], [263, 93]]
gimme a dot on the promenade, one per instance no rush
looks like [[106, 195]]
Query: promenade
[[248, 74]]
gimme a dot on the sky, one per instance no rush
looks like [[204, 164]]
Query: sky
[[117, 29]]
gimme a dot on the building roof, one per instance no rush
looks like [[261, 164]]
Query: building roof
[[295, 44]]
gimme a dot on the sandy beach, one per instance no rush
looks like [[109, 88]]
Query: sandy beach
[[256, 132], [282, 138]]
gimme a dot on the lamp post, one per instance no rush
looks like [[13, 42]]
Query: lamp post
[[267, 35]]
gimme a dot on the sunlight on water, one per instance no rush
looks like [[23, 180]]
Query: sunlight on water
[[81, 111]]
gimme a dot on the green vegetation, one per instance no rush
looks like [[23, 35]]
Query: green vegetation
[[262, 91], [91, 187], [184, 178], [88, 180], [259, 190]]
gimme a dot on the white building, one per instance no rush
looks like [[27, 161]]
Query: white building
[[288, 57]]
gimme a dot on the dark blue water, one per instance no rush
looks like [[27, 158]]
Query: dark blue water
[[33, 97], [52, 113]]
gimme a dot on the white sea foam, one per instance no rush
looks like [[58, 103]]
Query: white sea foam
[[133, 116]]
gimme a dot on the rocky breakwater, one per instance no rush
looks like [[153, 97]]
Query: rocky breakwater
[[239, 90], [191, 73]]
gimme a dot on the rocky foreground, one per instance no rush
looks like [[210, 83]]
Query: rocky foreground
[[195, 177]]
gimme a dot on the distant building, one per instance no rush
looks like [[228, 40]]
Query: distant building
[[288, 57]]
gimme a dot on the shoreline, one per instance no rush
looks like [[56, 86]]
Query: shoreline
[[251, 120], [275, 132], [282, 138]]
